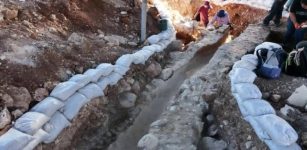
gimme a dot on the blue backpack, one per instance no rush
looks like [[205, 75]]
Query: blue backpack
[[270, 60]]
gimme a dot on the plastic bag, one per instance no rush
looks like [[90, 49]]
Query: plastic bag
[[154, 39], [94, 74], [273, 146], [261, 133], [48, 106], [73, 105], [278, 129], [31, 122], [121, 69], [39, 136], [241, 75], [248, 91], [91, 91], [14, 140], [55, 126], [244, 64], [64, 90], [253, 59], [114, 78], [268, 45], [81, 79], [107, 68], [258, 107], [124, 60]]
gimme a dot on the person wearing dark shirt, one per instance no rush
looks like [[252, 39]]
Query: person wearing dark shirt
[[275, 12], [297, 21]]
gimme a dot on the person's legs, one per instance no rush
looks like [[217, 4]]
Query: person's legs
[[289, 32], [299, 35], [279, 10], [271, 14]]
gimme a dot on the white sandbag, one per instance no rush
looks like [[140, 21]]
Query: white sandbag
[[48, 106], [157, 47], [54, 127], [107, 68], [244, 64], [14, 140], [261, 133], [139, 58], [121, 69], [239, 102], [278, 129], [274, 146], [154, 39], [146, 54], [64, 90], [268, 45], [73, 105], [248, 91], [253, 59], [165, 35], [258, 107], [241, 75], [114, 78], [39, 136], [103, 83], [31, 122], [150, 48], [124, 60], [94, 74], [81, 79], [91, 91], [162, 45]]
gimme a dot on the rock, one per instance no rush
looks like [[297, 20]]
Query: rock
[[175, 45], [208, 143], [148, 142], [132, 44], [249, 137], [115, 40], [212, 130], [10, 14], [127, 99], [76, 38], [40, 94], [225, 122], [166, 74], [157, 82], [286, 110], [136, 87], [266, 95], [248, 144], [275, 98], [53, 17], [209, 95], [5, 118], [49, 85], [210, 118], [21, 97], [16, 113], [299, 97], [7, 100], [123, 86], [153, 70], [304, 139]]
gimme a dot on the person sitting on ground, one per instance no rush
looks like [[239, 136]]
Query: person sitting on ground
[[221, 18], [203, 13], [275, 12], [297, 21]]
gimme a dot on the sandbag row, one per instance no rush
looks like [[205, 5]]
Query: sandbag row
[[270, 128], [45, 121]]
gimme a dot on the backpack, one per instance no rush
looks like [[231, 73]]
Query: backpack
[[271, 58], [296, 63]]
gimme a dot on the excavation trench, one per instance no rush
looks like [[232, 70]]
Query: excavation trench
[[129, 138]]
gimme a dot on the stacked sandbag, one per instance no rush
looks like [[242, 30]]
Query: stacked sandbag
[[45, 121], [270, 128]]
